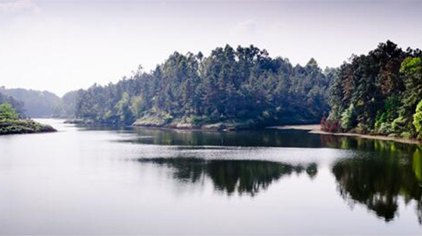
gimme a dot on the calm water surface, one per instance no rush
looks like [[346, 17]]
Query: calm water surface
[[146, 181]]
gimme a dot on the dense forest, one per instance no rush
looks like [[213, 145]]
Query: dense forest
[[378, 93], [241, 87]]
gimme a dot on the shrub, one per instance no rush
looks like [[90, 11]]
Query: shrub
[[361, 128], [348, 117], [406, 135], [332, 126], [167, 118], [8, 112], [399, 124], [384, 128], [417, 119]]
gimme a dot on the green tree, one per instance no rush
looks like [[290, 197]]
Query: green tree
[[411, 69], [8, 112], [348, 117], [417, 119], [123, 109]]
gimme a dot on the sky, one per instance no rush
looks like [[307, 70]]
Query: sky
[[63, 45]]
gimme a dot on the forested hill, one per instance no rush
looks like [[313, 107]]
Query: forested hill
[[379, 93], [17, 105], [39, 104], [230, 86], [35, 103]]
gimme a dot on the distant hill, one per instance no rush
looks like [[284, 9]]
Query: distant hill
[[17, 105], [36, 104]]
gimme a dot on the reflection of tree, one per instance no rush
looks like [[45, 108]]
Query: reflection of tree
[[378, 182], [417, 169], [269, 137], [230, 176], [381, 146]]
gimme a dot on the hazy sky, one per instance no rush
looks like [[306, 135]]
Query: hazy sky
[[65, 45]]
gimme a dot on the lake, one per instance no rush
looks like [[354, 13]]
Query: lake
[[152, 181]]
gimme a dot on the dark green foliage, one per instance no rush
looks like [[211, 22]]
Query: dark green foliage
[[411, 70], [242, 85], [378, 92]]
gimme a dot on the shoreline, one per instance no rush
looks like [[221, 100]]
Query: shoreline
[[227, 127], [316, 129]]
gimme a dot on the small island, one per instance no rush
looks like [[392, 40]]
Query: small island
[[12, 123]]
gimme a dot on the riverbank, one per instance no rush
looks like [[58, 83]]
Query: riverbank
[[22, 126], [316, 129]]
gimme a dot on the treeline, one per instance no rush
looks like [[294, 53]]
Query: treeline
[[230, 85], [378, 93]]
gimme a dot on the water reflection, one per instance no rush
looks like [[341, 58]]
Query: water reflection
[[264, 138], [375, 173], [231, 176], [373, 145], [377, 181]]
